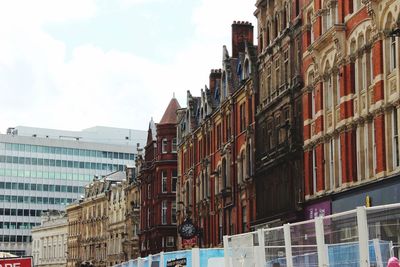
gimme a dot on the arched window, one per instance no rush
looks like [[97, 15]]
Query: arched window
[[353, 67], [310, 32], [328, 89], [393, 54], [285, 19], [361, 66], [310, 82], [369, 63], [268, 34], [336, 87]]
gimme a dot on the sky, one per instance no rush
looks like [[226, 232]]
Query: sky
[[74, 64]]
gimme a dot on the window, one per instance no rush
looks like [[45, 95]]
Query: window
[[337, 88], [277, 75], [148, 191], [225, 177], [395, 130], [393, 60], [329, 93], [363, 72], [374, 149], [173, 213], [220, 229], [174, 180], [269, 83], [164, 181], [339, 152], [219, 132], [228, 126], [313, 113], [331, 177], [242, 117], [314, 171], [164, 212], [366, 149], [174, 145], [371, 68], [286, 67], [170, 241], [244, 219], [164, 145]]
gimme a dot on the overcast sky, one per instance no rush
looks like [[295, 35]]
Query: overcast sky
[[73, 64]]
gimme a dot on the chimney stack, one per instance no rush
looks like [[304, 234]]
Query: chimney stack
[[242, 32], [215, 78]]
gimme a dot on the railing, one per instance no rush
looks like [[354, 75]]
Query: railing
[[362, 237]]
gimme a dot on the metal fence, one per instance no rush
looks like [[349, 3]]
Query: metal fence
[[362, 237]]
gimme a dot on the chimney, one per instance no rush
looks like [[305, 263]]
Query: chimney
[[242, 32], [215, 79]]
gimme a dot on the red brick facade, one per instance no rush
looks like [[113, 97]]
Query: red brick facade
[[158, 178], [350, 113], [216, 146]]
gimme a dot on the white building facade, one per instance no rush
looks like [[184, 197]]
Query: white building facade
[[44, 169], [49, 240]]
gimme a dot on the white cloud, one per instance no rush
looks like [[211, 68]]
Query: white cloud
[[40, 87]]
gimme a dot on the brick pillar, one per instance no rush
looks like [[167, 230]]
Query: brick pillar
[[341, 10], [377, 55], [318, 22], [348, 7], [379, 125], [320, 167], [349, 154], [307, 172]]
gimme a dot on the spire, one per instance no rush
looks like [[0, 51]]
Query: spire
[[169, 116]]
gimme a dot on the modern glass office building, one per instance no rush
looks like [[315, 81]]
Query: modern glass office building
[[43, 169]]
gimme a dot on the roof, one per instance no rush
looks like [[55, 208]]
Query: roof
[[169, 116]]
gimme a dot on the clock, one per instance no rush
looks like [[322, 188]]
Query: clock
[[187, 229]]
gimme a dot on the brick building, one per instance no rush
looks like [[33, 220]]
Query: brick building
[[158, 177], [350, 104], [279, 164], [216, 146]]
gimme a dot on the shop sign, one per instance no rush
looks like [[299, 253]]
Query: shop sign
[[318, 209], [16, 262]]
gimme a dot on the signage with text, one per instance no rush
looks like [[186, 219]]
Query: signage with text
[[175, 262], [16, 262]]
